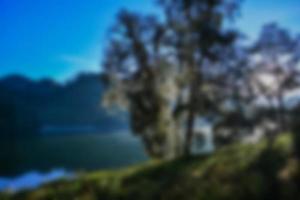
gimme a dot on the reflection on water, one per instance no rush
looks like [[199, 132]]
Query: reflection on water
[[32, 180]]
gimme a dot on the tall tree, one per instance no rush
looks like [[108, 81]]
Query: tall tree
[[273, 68], [161, 65], [197, 34]]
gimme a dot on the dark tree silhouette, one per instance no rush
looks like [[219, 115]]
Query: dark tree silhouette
[[146, 54]]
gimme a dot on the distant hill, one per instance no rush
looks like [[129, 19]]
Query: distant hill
[[32, 107]]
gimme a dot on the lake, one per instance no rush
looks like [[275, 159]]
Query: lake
[[75, 153]]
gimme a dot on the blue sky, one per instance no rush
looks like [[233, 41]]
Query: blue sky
[[60, 38]]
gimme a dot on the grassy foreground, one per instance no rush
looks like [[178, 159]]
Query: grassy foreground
[[237, 172]]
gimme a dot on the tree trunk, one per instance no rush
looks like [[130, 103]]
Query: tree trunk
[[192, 110], [189, 129], [296, 135], [281, 113]]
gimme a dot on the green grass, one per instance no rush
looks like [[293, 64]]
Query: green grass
[[237, 172]]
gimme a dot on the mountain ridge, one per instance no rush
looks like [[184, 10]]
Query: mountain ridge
[[48, 103]]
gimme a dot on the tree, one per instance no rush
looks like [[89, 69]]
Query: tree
[[274, 69], [158, 68], [139, 75], [198, 37]]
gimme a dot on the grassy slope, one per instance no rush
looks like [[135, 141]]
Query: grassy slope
[[234, 172]]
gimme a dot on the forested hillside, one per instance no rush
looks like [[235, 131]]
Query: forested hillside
[[31, 107]]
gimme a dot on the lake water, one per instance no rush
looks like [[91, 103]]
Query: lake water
[[32, 180], [36, 159]]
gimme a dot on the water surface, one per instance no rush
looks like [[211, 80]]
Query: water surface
[[79, 152]]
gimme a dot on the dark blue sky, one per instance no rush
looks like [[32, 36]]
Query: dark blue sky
[[59, 38]]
